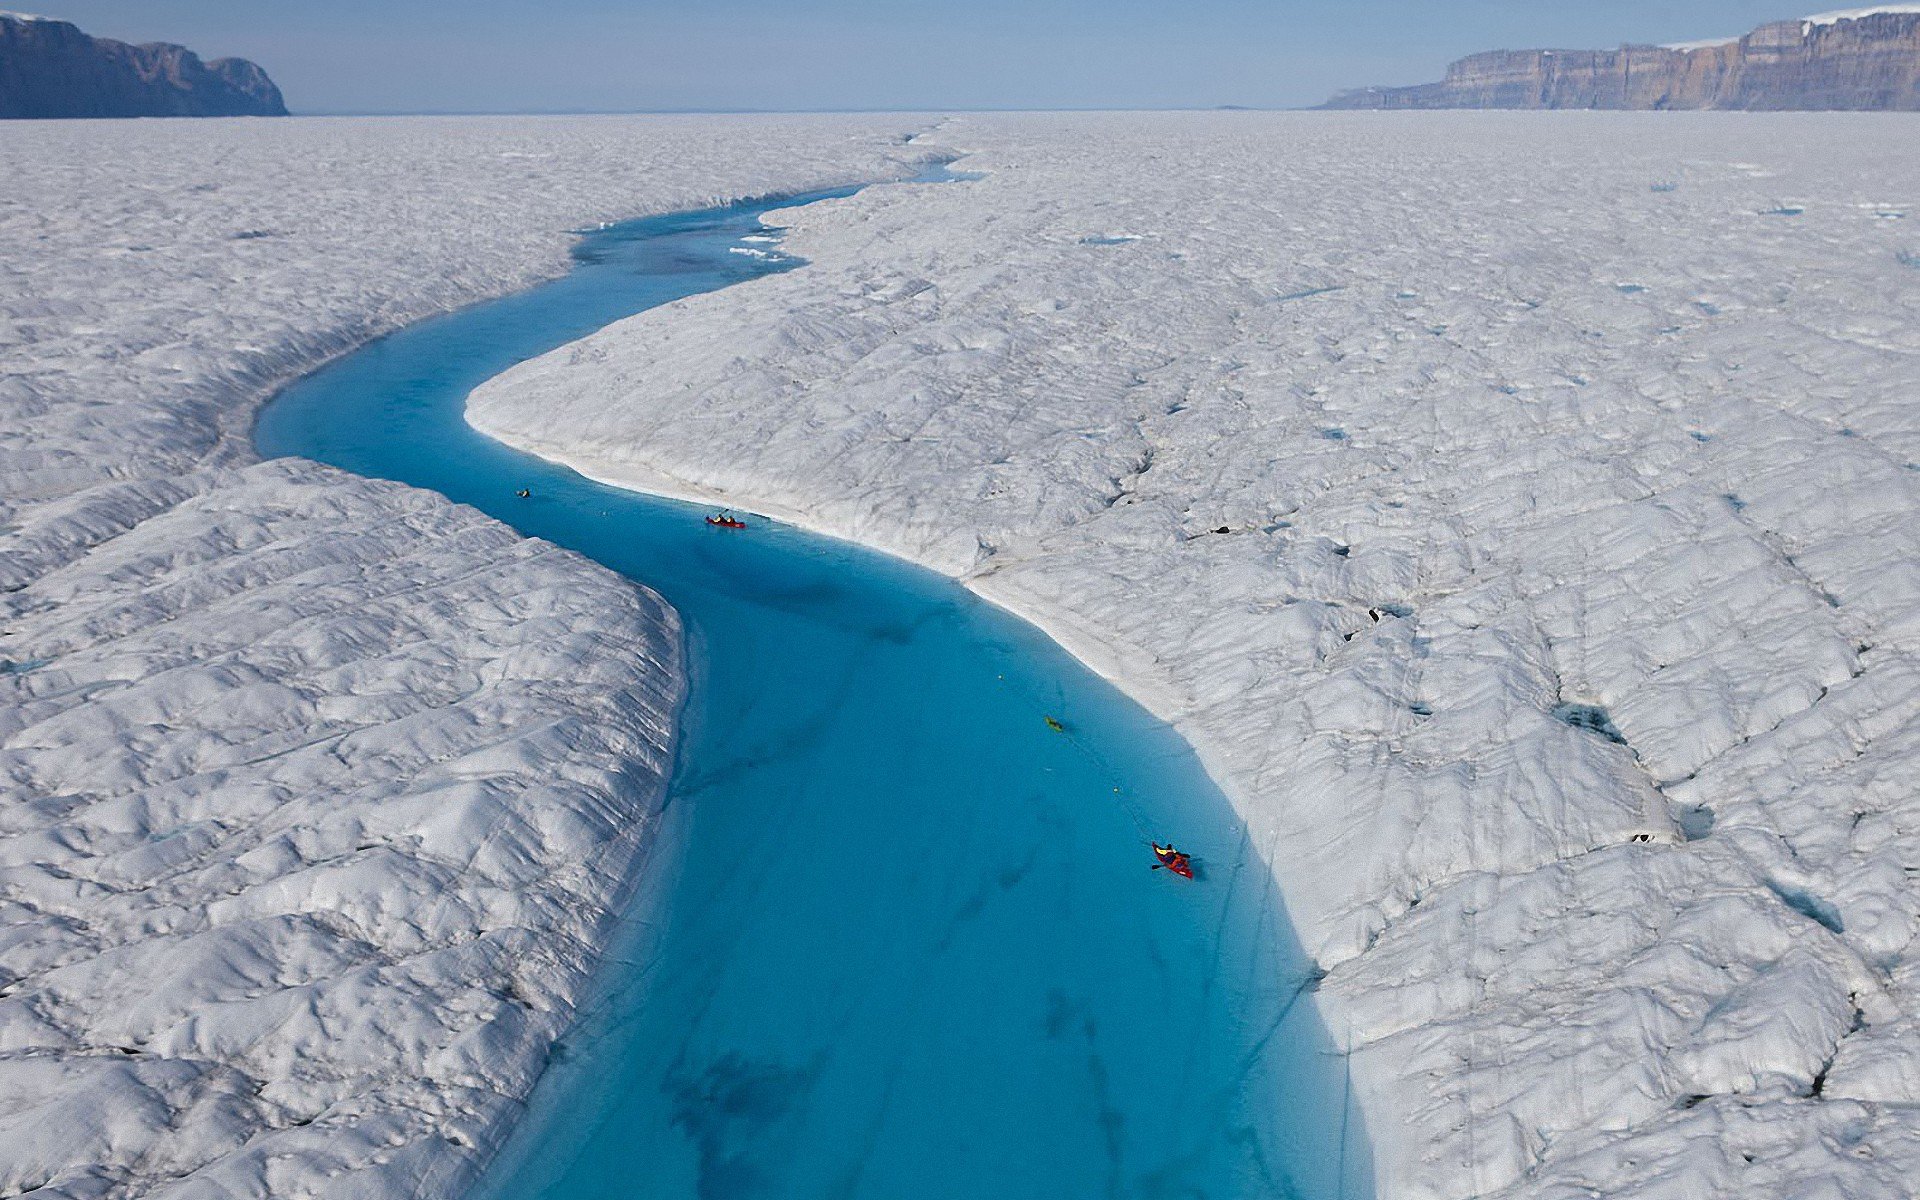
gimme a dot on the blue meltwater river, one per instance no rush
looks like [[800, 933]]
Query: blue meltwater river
[[897, 938]]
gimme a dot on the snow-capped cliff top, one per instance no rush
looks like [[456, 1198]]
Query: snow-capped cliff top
[[1855, 14], [1808, 24], [1703, 44]]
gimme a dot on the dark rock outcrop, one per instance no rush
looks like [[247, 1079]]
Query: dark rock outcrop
[[51, 69], [1865, 61]]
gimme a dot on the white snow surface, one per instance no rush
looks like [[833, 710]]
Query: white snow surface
[[1493, 413], [1702, 44], [1855, 14], [316, 793]]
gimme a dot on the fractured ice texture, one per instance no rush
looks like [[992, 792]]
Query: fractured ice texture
[[1572, 689], [315, 793]]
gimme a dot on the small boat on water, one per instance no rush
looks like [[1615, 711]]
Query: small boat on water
[[1177, 861], [726, 520]]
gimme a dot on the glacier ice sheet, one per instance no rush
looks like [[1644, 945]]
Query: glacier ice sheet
[[316, 793], [1610, 440]]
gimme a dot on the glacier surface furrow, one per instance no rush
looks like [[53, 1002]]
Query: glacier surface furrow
[[1518, 510], [317, 794]]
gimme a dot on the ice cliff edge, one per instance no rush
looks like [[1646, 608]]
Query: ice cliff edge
[[50, 68], [1861, 59]]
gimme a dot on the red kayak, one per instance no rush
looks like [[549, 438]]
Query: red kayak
[[1177, 861], [726, 521]]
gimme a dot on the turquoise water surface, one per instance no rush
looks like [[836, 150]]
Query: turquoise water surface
[[898, 938]]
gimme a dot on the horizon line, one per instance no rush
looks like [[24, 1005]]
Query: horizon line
[[697, 111]]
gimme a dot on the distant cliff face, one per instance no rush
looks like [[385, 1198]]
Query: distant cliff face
[[51, 69], [1864, 60]]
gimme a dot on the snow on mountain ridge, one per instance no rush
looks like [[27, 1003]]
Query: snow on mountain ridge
[[1529, 549], [316, 793], [1702, 44], [1857, 14], [1861, 60], [1807, 24]]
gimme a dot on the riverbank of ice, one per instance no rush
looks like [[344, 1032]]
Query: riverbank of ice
[[1518, 511], [315, 793]]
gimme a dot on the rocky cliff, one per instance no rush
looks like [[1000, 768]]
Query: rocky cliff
[[50, 68], [1863, 59]]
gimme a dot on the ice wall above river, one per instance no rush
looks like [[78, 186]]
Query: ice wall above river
[[315, 793], [1519, 510]]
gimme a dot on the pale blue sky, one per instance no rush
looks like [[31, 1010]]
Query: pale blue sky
[[603, 55]]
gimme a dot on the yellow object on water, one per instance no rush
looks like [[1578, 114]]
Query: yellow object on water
[[1054, 724]]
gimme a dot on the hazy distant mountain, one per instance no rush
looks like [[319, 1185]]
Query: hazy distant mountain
[[1866, 58], [49, 68]]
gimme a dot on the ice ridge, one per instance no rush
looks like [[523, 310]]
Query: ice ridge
[[316, 793], [1618, 442]]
